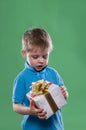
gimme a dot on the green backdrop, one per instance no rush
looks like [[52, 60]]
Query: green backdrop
[[65, 20]]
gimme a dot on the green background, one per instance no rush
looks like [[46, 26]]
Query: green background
[[65, 20]]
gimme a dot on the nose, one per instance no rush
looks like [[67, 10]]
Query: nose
[[41, 59]]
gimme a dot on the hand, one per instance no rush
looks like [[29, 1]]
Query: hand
[[64, 92], [37, 111]]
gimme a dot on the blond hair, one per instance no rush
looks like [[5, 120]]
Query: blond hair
[[36, 37]]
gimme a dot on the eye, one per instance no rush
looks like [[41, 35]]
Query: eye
[[35, 57], [45, 56]]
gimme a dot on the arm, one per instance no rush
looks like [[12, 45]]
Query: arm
[[32, 110], [21, 109]]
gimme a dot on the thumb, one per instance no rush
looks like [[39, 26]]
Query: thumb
[[32, 103]]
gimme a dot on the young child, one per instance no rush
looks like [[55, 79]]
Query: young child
[[36, 47]]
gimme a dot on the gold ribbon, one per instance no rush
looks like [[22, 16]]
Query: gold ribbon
[[51, 102]]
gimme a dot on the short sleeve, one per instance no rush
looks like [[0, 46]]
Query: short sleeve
[[59, 79], [18, 90]]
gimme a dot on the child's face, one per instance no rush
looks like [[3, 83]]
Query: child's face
[[38, 58]]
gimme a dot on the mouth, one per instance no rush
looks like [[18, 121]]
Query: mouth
[[39, 67]]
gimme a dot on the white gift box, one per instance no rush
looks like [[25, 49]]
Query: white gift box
[[50, 101]]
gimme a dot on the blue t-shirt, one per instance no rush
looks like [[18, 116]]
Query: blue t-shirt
[[22, 86]]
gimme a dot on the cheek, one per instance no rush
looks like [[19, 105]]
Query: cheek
[[32, 62], [47, 60]]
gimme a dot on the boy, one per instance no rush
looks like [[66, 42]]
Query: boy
[[36, 47]]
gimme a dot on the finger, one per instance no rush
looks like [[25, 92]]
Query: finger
[[38, 112], [63, 88], [42, 117], [42, 113]]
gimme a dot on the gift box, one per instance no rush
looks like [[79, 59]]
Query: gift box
[[47, 96]]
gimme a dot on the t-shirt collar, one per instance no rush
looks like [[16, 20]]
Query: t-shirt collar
[[33, 69]]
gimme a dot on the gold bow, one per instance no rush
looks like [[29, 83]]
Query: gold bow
[[39, 87]]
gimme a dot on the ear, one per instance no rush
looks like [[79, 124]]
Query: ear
[[23, 53]]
